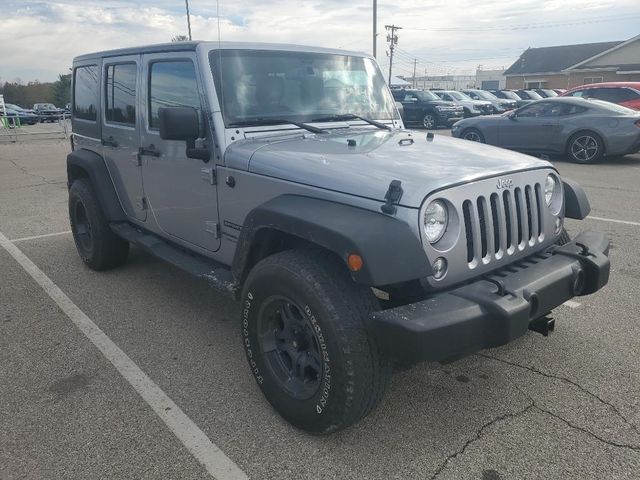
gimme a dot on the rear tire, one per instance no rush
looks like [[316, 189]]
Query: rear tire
[[98, 247], [585, 147], [306, 340]]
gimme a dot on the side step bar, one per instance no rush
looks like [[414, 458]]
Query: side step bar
[[215, 274]]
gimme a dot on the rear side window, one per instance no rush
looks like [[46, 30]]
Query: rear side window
[[120, 93], [85, 92], [615, 95], [172, 84]]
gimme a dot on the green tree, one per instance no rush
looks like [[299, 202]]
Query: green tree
[[62, 90]]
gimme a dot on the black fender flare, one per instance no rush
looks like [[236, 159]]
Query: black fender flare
[[81, 163], [576, 203], [391, 252]]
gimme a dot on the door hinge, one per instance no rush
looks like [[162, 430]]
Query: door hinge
[[212, 228], [208, 175], [141, 203]]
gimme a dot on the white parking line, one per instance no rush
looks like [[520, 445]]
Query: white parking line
[[571, 304], [625, 222], [35, 237], [206, 452]]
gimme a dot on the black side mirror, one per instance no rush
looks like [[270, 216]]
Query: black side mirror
[[183, 123]]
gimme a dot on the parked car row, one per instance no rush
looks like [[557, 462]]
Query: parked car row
[[41, 112]]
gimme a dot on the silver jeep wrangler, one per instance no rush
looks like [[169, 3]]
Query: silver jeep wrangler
[[283, 176]]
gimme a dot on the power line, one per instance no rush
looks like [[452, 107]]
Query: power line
[[526, 26]]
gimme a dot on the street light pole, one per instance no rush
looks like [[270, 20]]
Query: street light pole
[[375, 21], [186, 3]]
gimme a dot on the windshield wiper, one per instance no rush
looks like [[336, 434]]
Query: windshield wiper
[[350, 116], [260, 121]]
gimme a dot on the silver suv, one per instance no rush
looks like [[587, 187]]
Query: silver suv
[[283, 176]]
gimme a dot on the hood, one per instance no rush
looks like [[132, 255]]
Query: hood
[[326, 161], [442, 103]]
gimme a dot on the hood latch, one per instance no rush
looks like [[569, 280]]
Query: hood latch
[[392, 197]]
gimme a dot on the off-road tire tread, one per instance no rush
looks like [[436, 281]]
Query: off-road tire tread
[[110, 251], [564, 237], [352, 304]]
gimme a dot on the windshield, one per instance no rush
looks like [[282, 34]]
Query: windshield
[[426, 95], [549, 93], [511, 95], [485, 95], [533, 95], [459, 96], [299, 86]]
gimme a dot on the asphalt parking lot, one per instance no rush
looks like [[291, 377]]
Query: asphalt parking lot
[[566, 406]]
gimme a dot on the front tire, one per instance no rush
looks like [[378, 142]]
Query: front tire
[[473, 135], [307, 344], [98, 247], [429, 121], [585, 147]]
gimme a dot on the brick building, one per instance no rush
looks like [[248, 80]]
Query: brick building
[[568, 66]]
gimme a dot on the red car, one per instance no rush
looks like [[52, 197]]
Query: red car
[[626, 94]]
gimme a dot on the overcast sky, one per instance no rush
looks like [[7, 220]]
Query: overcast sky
[[40, 38]]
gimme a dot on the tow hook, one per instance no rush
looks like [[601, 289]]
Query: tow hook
[[542, 325]]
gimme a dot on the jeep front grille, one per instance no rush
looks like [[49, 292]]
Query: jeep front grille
[[502, 223], [493, 222]]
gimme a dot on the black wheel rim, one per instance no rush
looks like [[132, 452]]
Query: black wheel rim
[[82, 227], [428, 121], [584, 148], [290, 347], [472, 136]]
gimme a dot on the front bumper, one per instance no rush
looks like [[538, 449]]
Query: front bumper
[[495, 309], [450, 119]]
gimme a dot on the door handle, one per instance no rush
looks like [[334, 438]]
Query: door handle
[[547, 125], [150, 150], [109, 142]]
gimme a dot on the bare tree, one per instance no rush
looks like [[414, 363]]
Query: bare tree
[[180, 38]]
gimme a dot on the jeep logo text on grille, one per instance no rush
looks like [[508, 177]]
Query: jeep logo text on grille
[[504, 183]]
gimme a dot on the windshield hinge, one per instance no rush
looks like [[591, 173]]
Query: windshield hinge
[[392, 197]]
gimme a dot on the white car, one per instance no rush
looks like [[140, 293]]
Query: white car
[[499, 105], [472, 108]]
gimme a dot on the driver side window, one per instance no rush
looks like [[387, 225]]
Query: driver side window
[[540, 110]]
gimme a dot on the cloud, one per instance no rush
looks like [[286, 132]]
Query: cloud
[[40, 38]]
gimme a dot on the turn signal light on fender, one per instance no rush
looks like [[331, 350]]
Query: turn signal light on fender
[[355, 262]]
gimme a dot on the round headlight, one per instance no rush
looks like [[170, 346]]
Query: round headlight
[[549, 189], [553, 194], [435, 221]]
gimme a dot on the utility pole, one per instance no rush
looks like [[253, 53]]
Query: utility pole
[[375, 22], [186, 3], [415, 81], [392, 38]]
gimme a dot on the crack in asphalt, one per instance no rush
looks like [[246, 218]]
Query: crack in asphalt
[[570, 382], [24, 170], [635, 448], [478, 436], [50, 182], [530, 406]]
